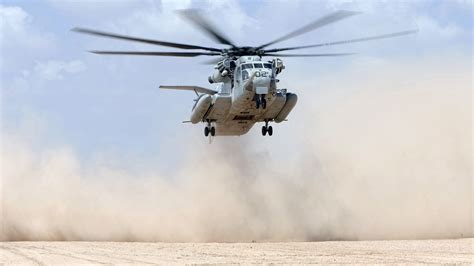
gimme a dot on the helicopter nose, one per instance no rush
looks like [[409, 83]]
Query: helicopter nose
[[262, 81], [262, 85]]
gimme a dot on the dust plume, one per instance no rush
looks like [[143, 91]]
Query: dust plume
[[385, 153]]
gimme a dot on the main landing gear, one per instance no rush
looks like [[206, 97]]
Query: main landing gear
[[209, 129], [261, 101], [267, 129]]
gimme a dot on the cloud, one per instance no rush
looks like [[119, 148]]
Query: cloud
[[13, 18], [55, 70], [88, 9], [18, 31], [430, 27], [40, 77], [162, 21], [22, 42]]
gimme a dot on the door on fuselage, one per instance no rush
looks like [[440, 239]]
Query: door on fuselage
[[238, 77], [238, 83]]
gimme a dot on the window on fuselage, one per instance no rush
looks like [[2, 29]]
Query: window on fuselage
[[246, 66], [258, 65], [238, 76], [269, 66]]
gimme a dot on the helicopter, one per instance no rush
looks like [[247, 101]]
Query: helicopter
[[245, 85]]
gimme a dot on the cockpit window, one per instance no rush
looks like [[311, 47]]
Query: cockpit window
[[258, 65], [246, 66], [269, 66]]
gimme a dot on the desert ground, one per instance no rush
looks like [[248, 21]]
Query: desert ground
[[459, 251]]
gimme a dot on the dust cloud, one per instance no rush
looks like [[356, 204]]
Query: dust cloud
[[386, 153]]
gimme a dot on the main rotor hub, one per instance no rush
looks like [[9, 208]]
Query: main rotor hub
[[241, 51]]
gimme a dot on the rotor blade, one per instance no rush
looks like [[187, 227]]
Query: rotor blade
[[149, 41], [308, 55], [213, 61], [378, 37], [328, 19], [195, 16], [178, 54]]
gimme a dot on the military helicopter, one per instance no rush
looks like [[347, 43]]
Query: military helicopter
[[245, 86]]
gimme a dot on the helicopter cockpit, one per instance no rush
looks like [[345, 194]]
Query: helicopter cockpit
[[257, 67], [228, 69]]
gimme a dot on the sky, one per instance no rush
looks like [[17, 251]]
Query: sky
[[57, 93]]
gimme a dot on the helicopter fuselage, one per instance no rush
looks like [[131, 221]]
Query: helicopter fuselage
[[247, 93]]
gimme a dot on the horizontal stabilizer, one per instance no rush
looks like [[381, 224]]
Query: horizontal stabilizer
[[190, 88]]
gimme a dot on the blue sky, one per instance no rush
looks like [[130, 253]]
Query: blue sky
[[60, 95]]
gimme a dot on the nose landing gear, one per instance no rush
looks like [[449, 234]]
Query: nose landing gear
[[267, 129], [261, 101]]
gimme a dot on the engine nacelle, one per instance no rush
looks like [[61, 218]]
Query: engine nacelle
[[278, 65], [200, 109], [223, 69], [291, 100], [218, 76]]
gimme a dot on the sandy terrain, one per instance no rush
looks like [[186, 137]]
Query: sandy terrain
[[414, 251]]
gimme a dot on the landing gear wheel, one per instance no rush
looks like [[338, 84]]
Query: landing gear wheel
[[264, 103], [206, 131], [213, 131], [257, 103], [264, 130], [270, 130]]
